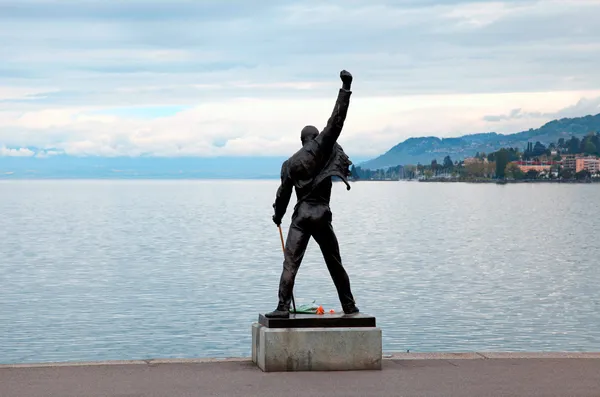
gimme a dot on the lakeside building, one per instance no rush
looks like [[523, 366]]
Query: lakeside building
[[580, 162], [474, 160], [539, 166], [569, 161], [589, 163]]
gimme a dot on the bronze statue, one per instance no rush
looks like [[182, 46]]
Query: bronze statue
[[310, 171]]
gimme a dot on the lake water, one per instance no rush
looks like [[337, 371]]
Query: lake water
[[111, 270]]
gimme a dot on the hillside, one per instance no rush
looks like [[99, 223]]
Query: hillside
[[423, 150]]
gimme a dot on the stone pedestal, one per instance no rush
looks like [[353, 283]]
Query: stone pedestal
[[327, 342]]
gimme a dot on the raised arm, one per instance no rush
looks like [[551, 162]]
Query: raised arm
[[284, 193], [333, 129]]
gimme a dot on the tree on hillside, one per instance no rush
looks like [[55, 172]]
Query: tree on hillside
[[490, 169], [574, 145], [538, 149], [501, 159], [589, 148], [409, 171], [595, 139], [528, 153], [589, 144], [476, 170], [448, 163], [513, 155], [513, 171]]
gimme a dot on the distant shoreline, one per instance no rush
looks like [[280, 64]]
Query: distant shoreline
[[492, 181], [351, 181], [502, 182]]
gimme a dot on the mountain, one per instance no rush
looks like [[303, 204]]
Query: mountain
[[423, 150]]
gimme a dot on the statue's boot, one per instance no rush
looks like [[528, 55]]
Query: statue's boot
[[350, 309], [280, 312]]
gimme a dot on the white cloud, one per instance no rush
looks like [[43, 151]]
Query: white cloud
[[271, 126], [21, 152], [48, 153]]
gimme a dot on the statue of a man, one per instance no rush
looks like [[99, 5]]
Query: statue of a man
[[310, 171]]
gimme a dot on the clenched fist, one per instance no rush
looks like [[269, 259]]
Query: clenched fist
[[346, 79], [276, 220]]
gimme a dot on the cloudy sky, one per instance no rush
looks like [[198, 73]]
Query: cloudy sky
[[241, 77]]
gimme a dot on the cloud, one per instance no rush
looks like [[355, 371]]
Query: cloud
[[512, 115], [21, 152], [48, 153], [205, 78], [271, 126], [584, 106]]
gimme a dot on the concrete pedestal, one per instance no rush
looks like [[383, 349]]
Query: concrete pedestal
[[327, 348]]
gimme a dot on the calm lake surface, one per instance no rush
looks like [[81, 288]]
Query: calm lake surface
[[111, 270]]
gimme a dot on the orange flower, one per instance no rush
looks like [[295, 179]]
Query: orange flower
[[320, 310]]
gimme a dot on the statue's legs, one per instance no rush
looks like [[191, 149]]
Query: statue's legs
[[312, 220], [324, 235], [295, 248]]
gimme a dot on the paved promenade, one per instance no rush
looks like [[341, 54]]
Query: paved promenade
[[448, 375]]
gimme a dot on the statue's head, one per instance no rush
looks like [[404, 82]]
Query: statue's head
[[308, 134]]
